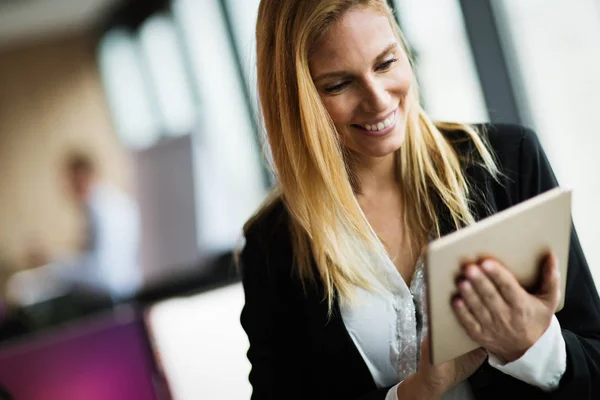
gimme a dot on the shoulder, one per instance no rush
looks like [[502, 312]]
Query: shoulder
[[270, 223], [267, 240], [509, 143], [521, 157], [511, 139], [108, 202], [523, 168], [108, 195]]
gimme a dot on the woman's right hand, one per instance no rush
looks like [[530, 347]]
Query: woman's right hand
[[439, 379]]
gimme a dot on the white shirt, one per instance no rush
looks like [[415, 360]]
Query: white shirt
[[388, 328], [111, 263]]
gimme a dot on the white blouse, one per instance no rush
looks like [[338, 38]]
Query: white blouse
[[387, 330]]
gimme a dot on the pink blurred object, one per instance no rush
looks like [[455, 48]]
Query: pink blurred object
[[106, 358]]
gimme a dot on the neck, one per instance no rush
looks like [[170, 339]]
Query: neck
[[375, 175]]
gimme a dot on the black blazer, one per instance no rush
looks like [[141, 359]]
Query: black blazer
[[296, 352]]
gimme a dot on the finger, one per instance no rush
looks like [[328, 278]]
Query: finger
[[504, 280], [487, 291], [474, 303], [550, 288], [466, 318]]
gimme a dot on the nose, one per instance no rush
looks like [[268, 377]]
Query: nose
[[376, 97]]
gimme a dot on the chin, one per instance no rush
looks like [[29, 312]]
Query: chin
[[385, 151], [375, 147], [380, 150], [388, 146]]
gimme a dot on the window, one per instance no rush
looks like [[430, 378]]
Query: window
[[243, 16], [125, 81], [444, 64], [161, 50], [230, 182], [556, 59]]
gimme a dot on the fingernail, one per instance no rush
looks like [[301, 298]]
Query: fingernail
[[488, 266], [472, 272]]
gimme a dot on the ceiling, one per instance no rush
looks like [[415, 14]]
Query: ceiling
[[26, 20]]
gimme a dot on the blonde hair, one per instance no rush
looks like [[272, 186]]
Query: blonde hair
[[314, 179]]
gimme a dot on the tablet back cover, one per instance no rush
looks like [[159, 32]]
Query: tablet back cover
[[518, 237]]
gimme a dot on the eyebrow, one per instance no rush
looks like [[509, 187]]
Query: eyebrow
[[333, 74]]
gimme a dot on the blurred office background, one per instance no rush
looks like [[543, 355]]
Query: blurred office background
[[162, 94]]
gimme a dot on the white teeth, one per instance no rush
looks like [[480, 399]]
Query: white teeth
[[381, 125]]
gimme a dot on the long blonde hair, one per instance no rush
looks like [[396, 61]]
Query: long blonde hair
[[314, 179]]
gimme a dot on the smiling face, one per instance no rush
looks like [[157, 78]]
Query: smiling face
[[363, 76]]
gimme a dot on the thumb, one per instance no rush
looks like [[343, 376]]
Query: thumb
[[476, 356], [425, 347], [550, 290]]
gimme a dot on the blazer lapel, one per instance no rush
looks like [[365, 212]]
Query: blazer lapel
[[340, 360]]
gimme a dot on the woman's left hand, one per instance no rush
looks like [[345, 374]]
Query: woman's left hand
[[499, 314]]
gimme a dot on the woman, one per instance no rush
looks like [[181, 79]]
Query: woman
[[331, 268]]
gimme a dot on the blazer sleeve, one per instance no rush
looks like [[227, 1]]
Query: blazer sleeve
[[268, 323], [282, 363], [580, 317]]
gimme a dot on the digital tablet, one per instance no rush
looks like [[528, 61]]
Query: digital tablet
[[518, 237]]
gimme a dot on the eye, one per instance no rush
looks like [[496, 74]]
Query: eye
[[334, 89], [386, 65]]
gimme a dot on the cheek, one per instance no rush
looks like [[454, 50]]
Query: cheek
[[339, 109], [402, 77], [402, 82]]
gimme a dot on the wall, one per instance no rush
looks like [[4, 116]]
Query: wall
[[51, 100]]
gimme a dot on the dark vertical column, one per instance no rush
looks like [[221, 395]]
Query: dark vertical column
[[491, 61]]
